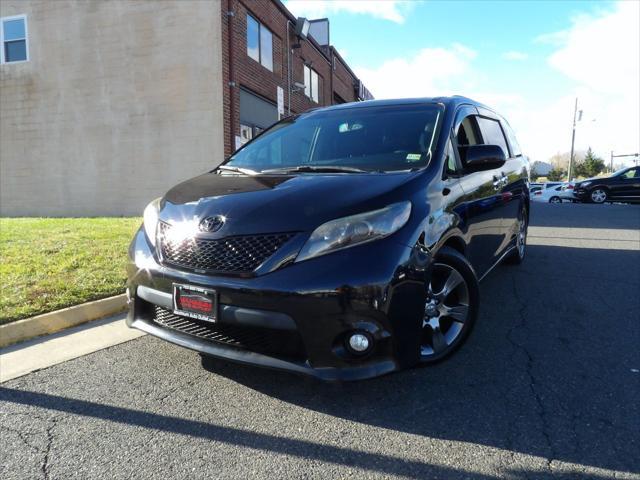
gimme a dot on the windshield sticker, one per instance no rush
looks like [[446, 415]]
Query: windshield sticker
[[413, 157]]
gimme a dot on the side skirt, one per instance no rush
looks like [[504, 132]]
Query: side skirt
[[502, 257]]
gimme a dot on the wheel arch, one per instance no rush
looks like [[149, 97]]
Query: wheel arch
[[454, 240]]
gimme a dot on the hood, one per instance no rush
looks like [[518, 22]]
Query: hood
[[280, 203]]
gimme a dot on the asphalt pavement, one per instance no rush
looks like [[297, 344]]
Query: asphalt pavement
[[548, 386]]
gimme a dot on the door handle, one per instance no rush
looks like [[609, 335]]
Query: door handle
[[500, 182]]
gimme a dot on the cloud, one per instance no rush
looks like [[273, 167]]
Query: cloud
[[515, 55], [603, 52], [430, 72], [600, 56], [392, 10]]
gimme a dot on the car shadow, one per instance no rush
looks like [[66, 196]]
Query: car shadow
[[533, 378]]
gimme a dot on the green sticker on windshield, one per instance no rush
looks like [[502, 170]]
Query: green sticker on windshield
[[413, 157]]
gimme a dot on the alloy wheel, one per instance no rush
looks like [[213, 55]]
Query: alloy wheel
[[521, 237], [446, 311], [598, 195], [555, 200]]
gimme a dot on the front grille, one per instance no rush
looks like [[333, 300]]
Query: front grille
[[241, 254], [278, 343]]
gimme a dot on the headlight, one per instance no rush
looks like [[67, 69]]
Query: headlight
[[355, 230], [150, 218], [585, 184]]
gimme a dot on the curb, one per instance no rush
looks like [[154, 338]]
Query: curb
[[52, 322]]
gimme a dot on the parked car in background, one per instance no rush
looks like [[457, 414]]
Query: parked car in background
[[342, 243], [555, 194], [621, 186], [569, 192], [535, 187]]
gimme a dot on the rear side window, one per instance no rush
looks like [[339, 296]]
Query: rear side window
[[633, 173], [492, 133]]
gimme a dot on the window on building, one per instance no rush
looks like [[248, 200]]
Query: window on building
[[307, 81], [13, 37], [312, 84], [259, 43]]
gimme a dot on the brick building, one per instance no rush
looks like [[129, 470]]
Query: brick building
[[255, 78], [105, 105]]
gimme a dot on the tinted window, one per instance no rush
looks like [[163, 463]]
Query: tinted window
[[633, 173], [466, 134], [374, 138], [492, 133]]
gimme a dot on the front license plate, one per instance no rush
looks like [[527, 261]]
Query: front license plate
[[195, 302]]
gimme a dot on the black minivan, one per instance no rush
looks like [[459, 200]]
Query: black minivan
[[343, 243]]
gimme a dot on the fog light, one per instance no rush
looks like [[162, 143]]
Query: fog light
[[359, 343]]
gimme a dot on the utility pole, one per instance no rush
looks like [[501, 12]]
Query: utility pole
[[573, 138], [611, 167], [636, 155]]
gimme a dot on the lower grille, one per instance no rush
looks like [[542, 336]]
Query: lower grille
[[277, 343]]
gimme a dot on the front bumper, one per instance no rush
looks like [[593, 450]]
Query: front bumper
[[309, 308], [581, 193]]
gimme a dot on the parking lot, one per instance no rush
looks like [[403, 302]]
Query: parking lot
[[546, 387]]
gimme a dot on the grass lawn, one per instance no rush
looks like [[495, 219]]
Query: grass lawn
[[51, 263]]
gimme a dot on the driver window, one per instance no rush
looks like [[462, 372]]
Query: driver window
[[467, 135], [631, 174]]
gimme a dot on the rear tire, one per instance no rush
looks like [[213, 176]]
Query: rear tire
[[451, 307], [517, 256]]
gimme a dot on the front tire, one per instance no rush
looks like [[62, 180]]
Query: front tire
[[451, 307], [599, 195], [555, 200]]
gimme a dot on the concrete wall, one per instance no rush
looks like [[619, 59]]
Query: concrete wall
[[120, 100]]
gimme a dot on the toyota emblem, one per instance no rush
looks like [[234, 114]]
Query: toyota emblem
[[211, 224]]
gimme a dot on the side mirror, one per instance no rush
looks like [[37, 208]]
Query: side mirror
[[477, 158]]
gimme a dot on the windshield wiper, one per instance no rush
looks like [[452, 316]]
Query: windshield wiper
[[315, 168], [229, 168]]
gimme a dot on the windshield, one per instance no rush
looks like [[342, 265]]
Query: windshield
[[384, 138]]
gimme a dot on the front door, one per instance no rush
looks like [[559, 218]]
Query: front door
[[628, 185], [483, 205], [509, 176]]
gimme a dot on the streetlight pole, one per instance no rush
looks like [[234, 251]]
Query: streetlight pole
[[573, 139], [636, 155]]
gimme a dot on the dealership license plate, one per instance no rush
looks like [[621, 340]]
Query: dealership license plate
[[195, 302]]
